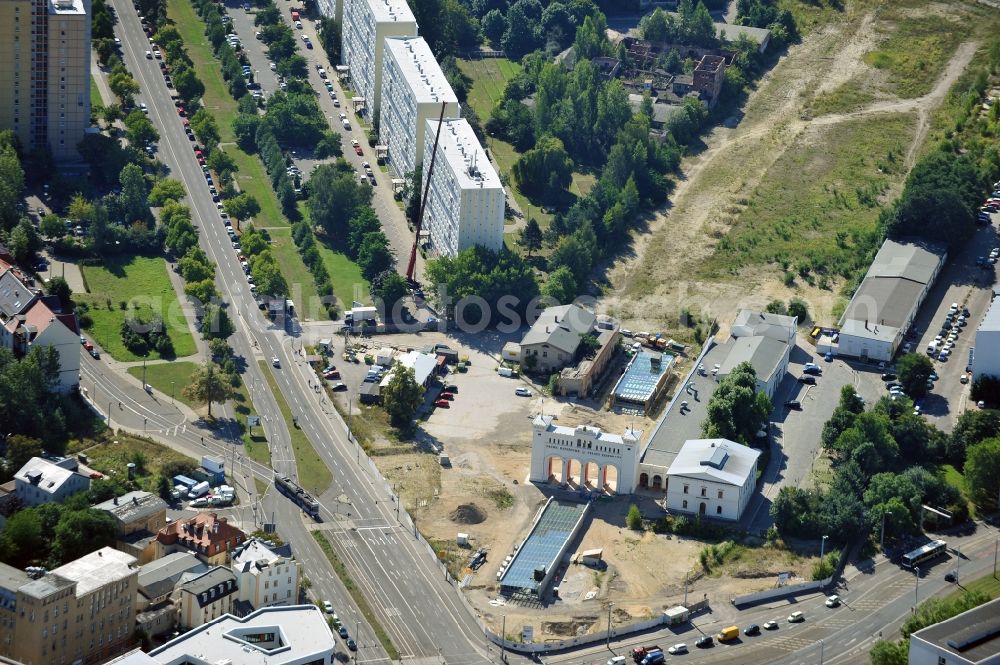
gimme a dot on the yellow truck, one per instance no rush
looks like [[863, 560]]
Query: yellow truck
[[730, 633]]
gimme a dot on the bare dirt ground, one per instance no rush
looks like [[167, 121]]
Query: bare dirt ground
[[650, 287]]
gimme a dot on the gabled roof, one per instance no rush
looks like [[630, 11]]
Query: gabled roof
[[158, 578], [560, 327], [15, 296], [254, 555], [718, 460], [749, 323], [45, 475]]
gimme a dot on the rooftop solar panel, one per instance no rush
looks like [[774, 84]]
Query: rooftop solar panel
[[542, 547], [641, 376]]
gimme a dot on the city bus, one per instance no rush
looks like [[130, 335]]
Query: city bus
[[933, 549]]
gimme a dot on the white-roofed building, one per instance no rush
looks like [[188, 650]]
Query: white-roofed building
[[465, 202], [422, 365], [884, 306], [749, 323], [265, 577], [292, 635], [986, 357], [413, 90], [365, 27], [40, 481], [712, 477], [768, 357], [569, 455]]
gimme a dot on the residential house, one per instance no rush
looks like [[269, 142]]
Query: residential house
[[139, 516], [41, 481], [209, 536], [553, 339], [266, 575], [207, 597]]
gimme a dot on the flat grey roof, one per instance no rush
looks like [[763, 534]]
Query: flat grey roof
[[12, 578], [884, 301], [763, 353], [133, 505], [973, 635], [910, 260], [675, 427], [991, 322], [97, 569]]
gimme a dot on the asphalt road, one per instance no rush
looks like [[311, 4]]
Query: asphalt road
[[398, 574], [876, 600]]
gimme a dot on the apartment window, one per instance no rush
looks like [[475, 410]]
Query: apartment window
[[684, 505], [718, 510], [685, 489], [704, 492], [720, 494]]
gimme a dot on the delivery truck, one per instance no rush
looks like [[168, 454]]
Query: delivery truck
[[199, 490], [727, 634]]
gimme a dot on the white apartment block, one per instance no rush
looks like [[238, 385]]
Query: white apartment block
[[465, 201], [265, 577], [366, 26], [332, 9], [413, 90]]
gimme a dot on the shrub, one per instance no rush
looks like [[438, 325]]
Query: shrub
[[634, 518]]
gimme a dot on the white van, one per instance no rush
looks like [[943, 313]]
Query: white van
[[932, 348]]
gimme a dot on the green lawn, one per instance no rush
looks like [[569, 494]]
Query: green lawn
[[300, 281], [251, 176], [254, 443], [987, 584], [168, 378], [489, 78], [345, 274], [954, 477], [815, 211], [312, 472], [95, 93], [112, 451], [138, 282]]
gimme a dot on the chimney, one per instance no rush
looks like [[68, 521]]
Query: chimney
[[116, 501], [866, 324], [135, 500]]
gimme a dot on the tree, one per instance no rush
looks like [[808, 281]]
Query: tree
[[80, 532], [561, 286], [267, 275], [531, 236], [402, 396], [494, 26], [215, 323], [335, 197], [52, 226], [187, 84], [134, 195], [374, 255], [244, 206], [21, 541], [914, 371], [389, 288], [140, 130], [973, 426], [222, 163], [797, 307], [20, 450], [776, 307], [163, 489], [982, 473], [634, 518], [545, 170], [166, 189], [359, 226], [524, 33], [736, 410], [59, 287], [208, 385], [124, 87]]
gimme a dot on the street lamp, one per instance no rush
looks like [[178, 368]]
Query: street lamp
[[881, 540], [607, 643], [822, 548], [916, 588]]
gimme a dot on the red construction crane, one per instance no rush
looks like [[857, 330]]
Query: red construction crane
[[411, 266]]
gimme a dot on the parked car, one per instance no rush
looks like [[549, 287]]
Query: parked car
[[794, 405], [796, 617], [812, 368], [351, 644], [442, 403], [678, 649], [522, 392], [328, 607], [833, 601], [752, 629], [343, 632], [808, 380], [338, 387], [888, 376], [704, 642], [771, 625]]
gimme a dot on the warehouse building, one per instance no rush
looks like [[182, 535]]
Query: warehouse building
[[884, 306], [971, 638], [366, 26], [986, 356], [466, 202], [414, 88]]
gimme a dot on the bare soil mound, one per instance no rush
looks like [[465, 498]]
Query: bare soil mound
[[467, 513]]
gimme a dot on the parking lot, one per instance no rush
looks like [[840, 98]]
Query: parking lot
[[970, 286]]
